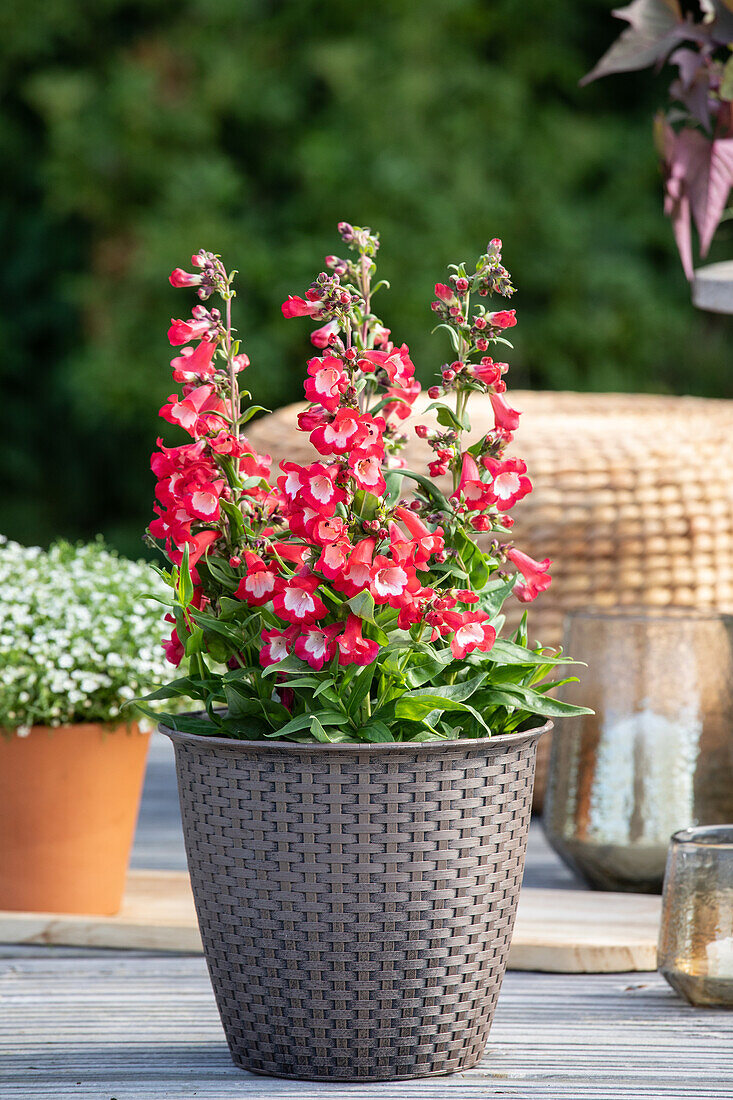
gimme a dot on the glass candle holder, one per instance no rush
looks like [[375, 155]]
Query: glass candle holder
[[657, 753], [695, 952]]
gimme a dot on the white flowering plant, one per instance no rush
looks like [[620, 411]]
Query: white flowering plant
[[78, 637]]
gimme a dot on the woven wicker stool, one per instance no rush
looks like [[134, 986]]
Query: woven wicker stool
[[633, 500]]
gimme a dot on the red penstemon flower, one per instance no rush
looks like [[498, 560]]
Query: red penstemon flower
[[332, 563], [316, 646], [326, 382], [340, 435], [509, 482], [472, 632], [354, 648], [194, 363], [295, 599], [259, 584], [536, 576]]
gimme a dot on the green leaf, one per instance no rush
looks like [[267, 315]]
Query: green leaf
[[194, 642], [222, 572], [250, 412], [291, 663], [362, 604], [184, 686], [185, 723], [448, 417], [454, 337], [460, 691], [493, 596], [234, 515], [505, 652], [376, 732], [417, 709], [217, 626], [361, 688], [303, 721], [240, 701], [365, 504], [431, 489], [318, 731], [185, 584], [393, 480], [426, 666], [533, 701]]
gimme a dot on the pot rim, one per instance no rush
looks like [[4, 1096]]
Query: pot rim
[[234, 745], [705, 836]]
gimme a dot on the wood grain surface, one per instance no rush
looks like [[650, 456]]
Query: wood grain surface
[[561, 931]]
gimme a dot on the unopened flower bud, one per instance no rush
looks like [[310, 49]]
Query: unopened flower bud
[[421, 431], [448, 375], [434, 392], [234, 561], [461, 285]]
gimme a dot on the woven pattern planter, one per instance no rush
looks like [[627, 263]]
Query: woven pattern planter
[[356, 903], [633, 500]]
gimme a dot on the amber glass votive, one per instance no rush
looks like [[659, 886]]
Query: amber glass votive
[[696, 936]]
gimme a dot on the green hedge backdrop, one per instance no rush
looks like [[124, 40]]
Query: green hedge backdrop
[[136, 133]]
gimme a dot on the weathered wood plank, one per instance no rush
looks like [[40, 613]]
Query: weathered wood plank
[[564, 931], [145, 1028]]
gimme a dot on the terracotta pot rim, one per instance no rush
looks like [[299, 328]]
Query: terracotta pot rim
[[502, 741], [109, 727]]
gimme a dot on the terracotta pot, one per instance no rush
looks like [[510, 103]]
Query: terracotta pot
[[356, 902], [68, 804]]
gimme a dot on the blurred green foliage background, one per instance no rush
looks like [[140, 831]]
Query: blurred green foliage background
[[134, 133]]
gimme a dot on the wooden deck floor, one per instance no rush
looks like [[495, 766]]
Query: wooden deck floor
[[107, 1025]]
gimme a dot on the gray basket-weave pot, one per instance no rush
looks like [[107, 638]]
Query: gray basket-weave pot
[[356, 902]]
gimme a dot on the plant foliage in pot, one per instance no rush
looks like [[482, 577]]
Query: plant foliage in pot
[[356, 786], [77, 642]]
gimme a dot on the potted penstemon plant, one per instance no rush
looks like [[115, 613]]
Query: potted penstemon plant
[[78, 641], [356, 783]]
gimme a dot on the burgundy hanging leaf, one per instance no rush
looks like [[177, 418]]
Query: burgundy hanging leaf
[[687, 165], [680, 216], [691, 160], [693, 86], [718, 20], [655, 27], [720, 181]]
